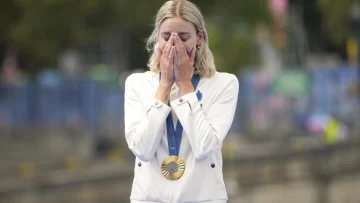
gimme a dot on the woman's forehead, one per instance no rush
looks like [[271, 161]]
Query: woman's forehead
[[177, 25]]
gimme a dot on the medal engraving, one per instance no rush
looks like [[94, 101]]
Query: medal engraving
[[172, 167]]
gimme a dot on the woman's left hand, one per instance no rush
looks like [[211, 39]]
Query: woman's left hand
[[183, 67]]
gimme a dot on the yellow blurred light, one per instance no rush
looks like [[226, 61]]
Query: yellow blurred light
[[26, 169], [72, 163]]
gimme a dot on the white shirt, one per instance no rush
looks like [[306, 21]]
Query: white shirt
[[205, 125]]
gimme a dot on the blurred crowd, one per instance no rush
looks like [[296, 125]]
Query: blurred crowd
[[60, 96], [316, 102], [321, 101]]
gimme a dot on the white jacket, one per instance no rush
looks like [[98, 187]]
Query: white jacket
[[205, 125]]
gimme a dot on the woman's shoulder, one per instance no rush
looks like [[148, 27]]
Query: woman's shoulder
[[225, 75], [221, 82], [224, 78], [140, 77]]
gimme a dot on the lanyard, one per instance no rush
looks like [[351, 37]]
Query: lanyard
[[174, 135]]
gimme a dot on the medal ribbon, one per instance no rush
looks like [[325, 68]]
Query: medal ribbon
[[174, 135]]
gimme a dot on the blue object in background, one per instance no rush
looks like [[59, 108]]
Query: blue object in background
[[324, 91], [53, 99]]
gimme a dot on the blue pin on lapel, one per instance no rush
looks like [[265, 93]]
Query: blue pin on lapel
[[199, 95]]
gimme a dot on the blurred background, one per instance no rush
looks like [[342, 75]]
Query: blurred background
[[295, 136]]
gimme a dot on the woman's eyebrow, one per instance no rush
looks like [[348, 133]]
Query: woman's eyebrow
[[179, 33], [165, 33]]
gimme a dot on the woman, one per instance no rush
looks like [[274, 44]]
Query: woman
[[178, 113]]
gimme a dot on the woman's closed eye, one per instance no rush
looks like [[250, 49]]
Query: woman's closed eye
[[166, 36], [184, 36]]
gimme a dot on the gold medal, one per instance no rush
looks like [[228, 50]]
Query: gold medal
[[173, 167]]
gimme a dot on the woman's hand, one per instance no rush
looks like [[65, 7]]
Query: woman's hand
[[166, 59], [183, 67]]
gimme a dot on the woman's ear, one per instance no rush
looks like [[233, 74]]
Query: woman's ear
[[200, 37]]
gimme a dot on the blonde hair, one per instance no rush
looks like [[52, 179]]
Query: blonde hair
[[204, 60]]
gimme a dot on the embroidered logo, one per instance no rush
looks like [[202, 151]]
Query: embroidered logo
[[199, 95]]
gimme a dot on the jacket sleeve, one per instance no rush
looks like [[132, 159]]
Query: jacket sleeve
[[144, 123], [207, 131]]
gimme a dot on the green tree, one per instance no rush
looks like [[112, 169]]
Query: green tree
[[41, 29], [231, 27], [336, 18]]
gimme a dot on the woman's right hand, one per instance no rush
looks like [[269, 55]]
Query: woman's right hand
[[166, 59]]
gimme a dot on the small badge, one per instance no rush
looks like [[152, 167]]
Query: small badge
[[199, 95]]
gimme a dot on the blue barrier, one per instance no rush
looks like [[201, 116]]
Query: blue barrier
[[54, 100]]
